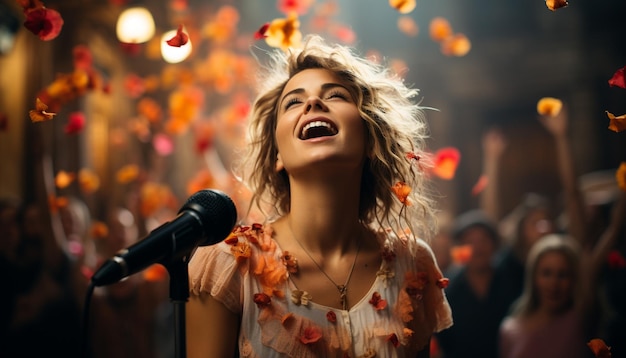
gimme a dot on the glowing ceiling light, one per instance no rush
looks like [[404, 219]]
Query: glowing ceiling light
[[135, 25]]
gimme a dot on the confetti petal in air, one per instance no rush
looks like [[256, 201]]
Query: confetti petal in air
[[549, 106], [155, 273], [620, 176], [403, 6], [402, 191], [344, 33], [556, 4], [439, 29], [99, 230], [480, 185], [599, 348], [299, 7], [43, 22], [618, 79], [75, 123], [127, 173], [150, 109], [163, 144], [456, 45], [82, 57], [407, 26], [39, 114], [284, 33], [180, 39], [88, 181], [461, 254], [445, 163], [260, 33], [63, 179], [616, 123]]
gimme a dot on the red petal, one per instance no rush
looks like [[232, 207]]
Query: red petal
[[179, 39], [618, 79]]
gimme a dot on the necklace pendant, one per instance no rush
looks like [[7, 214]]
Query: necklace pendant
[[343, 296]]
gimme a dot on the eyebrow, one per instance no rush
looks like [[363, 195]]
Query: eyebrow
[[324, 87]]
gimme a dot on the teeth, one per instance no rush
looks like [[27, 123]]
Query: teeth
[[317, 124]]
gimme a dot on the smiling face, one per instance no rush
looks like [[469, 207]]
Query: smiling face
[[318, 122], [554, 281]]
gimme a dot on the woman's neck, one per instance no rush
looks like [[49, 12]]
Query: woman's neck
[[325, 215]]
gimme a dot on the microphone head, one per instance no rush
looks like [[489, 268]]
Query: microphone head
[[217, 213]]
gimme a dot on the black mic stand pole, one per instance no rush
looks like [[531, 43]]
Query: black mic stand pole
[[179, 295]]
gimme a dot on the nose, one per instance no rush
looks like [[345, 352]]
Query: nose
[[314, 103]]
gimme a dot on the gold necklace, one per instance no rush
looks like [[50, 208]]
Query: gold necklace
[[343, 289]]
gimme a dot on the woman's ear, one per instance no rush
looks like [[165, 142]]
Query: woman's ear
[[279, 163]]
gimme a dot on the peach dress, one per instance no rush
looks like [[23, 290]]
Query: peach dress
[[249, 274]]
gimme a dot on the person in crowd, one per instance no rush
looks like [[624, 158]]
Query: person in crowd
[[557, 313], [124, 314], [478, 294], [342, 265], [45, 318]]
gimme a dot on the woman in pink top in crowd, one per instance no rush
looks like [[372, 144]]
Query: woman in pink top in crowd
[[339, 265], [555, 315]]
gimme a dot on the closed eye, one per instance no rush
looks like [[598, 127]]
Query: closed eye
[[291, 101]]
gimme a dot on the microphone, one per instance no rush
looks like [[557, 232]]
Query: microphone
[[207, 218]]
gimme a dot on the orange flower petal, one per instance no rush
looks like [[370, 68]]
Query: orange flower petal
[[88, 181], [402, 191], [456, 45], [407, 26], [461, 254], [403, 6], [439, 29], [599, 348], [39, 114], [155, 273], [556, 4], [284, 33], [63, 179], [445, 163], [480, 185], [549, 106], [616, 124]]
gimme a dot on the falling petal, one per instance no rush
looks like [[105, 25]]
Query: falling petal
[[43, 22], [82, 57], [63, 179], [618, 79], [127, 173], [445, 163], [439, 29], [155, 273], [480, 185], [456, 45], [299, 7], [617, 123], [599, 348], [403, 6], [260, 33], [40, 113], [461, 254], [163, 144], [549, 106], [407, 26], [75, 123], [88, 181], [556, 4], [180, 39], [284, 33]]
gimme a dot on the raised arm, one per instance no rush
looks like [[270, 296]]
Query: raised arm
[[494, 144], [558, 126]]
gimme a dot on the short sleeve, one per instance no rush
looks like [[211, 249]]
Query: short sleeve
[[437, 312], [214, 270]]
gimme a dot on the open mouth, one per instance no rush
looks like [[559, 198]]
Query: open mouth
[[317, 129]]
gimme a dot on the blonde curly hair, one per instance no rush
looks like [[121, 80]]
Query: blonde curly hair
[[396, 133]]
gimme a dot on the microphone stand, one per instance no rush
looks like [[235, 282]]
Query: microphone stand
[[179, 294]]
